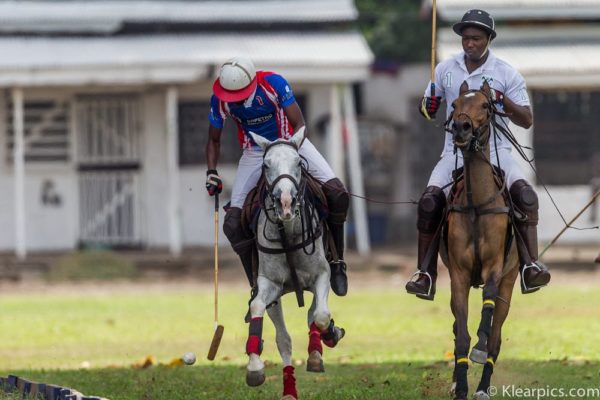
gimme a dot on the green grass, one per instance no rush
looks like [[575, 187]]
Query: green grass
[[397, 347]]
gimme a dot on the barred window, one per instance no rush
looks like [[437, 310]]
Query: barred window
[[46, 130], [567, 136], [193, 135]]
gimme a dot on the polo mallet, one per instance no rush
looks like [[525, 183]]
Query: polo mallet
[[594, 197], [218, 335], [433, 38]]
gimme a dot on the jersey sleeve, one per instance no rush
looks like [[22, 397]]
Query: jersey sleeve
[[439, 87], [516, 90], [216, 116], [284, 91]]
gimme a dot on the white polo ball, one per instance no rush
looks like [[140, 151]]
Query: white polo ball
[[189, 358]]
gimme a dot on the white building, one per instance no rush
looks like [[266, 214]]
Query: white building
[[103, 120]]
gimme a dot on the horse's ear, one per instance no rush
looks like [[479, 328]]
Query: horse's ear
[[464, 88], [298, 137], [259, 140], [485, 88]]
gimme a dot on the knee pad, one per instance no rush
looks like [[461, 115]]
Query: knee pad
[[526, 200], [338, 200], [232, 225], [430, 209]]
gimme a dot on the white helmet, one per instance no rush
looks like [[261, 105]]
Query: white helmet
[[237, 80]]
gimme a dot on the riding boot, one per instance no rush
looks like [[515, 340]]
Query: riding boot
[[338, 202], [534, 274], [243, 244], [429, 217]]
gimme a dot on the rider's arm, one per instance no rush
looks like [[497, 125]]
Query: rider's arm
[[294, 115], [520, 115], [213, 146]]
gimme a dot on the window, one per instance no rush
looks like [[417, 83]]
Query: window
[[46, 130], [193, 135], [566, 136]]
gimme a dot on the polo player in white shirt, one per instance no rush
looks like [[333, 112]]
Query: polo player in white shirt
[[475, 65]]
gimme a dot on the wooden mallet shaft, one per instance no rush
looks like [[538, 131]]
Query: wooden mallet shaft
[[218, 335]]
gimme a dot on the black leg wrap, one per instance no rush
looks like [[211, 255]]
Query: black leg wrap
[[486, 377], [256, 327], [462, 385]]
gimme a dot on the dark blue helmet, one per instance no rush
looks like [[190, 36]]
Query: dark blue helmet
[[478, 19]]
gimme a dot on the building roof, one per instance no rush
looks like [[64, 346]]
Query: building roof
[[453, 10], [546, 57], [308, 57], [107, 16]]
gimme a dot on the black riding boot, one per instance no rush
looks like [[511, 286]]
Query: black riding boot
[[534, 274], [243, 245], [337, 202], [429, 218]]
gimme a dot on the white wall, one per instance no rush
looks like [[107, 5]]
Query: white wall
[[47, 227]]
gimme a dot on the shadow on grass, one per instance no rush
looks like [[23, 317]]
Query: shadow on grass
[[402, 380]]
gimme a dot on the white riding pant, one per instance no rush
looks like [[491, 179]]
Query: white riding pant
[[250, 168], [442, 173]]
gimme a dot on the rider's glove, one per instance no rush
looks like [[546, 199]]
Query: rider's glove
[[214, 184], [429, 106], [496, 96]]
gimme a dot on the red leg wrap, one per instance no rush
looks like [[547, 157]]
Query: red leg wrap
[[289, 382], [314, 339], [254, 345]]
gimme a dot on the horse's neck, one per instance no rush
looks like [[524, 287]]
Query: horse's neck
[[481, 176]]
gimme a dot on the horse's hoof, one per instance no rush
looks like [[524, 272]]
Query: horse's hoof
[[453, 389], [288, 397], [255, 378], [481, 395], [478, 356], [315, 362]]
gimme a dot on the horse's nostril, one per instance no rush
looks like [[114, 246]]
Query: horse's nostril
[[466, 126]]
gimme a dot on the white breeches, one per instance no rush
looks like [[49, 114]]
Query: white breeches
[[250, 168], [442, 173]]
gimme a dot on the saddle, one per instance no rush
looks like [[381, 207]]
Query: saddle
[[456, 190], [254, 203]]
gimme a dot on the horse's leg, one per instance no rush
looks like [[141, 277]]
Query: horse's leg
[[284, 345], [493, 346], [267, 293], [459, 284], [479, 352], [321, 326]]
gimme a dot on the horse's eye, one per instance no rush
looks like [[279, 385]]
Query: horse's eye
[[485, 105], [453, 104]]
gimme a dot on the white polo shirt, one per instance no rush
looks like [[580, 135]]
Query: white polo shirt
[[451, 73]]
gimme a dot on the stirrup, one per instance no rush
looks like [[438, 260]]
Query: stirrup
[[421, 295], [529, 289]]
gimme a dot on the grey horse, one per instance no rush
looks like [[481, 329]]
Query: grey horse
[[284, 208]]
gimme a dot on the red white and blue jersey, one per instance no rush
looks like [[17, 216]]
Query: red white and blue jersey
[[262, 113]]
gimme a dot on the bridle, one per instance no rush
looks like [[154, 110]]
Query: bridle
[[477, 140], [270, 187]]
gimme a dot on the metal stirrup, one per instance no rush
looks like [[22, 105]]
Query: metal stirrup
[[525, 268], [428, 276]]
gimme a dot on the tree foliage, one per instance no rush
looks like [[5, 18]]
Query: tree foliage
[[395, 29]]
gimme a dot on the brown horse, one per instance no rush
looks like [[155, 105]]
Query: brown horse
[[478, 223]]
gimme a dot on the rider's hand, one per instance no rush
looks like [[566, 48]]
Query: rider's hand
[[430, 106], [214, 184], [496, 96]]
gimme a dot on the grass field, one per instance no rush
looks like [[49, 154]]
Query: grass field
[[396, 347]]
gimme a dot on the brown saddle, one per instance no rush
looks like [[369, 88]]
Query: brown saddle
[[455, 192]]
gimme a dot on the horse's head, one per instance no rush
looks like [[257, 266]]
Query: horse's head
[[471, 118], [282, 171]]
